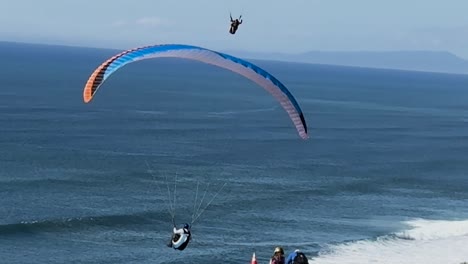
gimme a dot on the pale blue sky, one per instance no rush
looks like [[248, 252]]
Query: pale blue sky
[[270, 25]]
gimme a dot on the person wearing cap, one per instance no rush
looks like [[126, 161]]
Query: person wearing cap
[[278, 256], [297, 257], [180, 237]]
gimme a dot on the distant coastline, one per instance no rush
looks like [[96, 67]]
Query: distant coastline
[[425, 61]]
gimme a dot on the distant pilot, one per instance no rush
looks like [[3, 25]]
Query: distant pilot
[[235, 24]]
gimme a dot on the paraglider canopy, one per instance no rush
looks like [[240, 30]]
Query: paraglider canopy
[[237, 65]]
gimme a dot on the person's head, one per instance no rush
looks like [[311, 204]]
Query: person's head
[[186, 226], [279, 250]]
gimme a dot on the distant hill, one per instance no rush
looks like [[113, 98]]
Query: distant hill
[[431, 61]]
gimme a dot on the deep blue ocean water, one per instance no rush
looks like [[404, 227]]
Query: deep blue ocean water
[[383, 177]]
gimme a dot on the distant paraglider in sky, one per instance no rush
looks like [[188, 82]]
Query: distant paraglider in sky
[[235, 24]]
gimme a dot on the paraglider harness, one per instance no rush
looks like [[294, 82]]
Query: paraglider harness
[[176, 237], [235, 24]]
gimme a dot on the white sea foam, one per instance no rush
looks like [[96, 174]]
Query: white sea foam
[[424, 242]]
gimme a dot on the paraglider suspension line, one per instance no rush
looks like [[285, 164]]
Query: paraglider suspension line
[[198, 213], [168, 201]]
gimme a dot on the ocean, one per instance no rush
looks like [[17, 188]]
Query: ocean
[[383, 177]]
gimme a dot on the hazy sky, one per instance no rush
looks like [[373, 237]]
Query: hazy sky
[[269, 25]]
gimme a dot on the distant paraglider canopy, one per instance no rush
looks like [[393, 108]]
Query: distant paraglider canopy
[[242, 67]]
